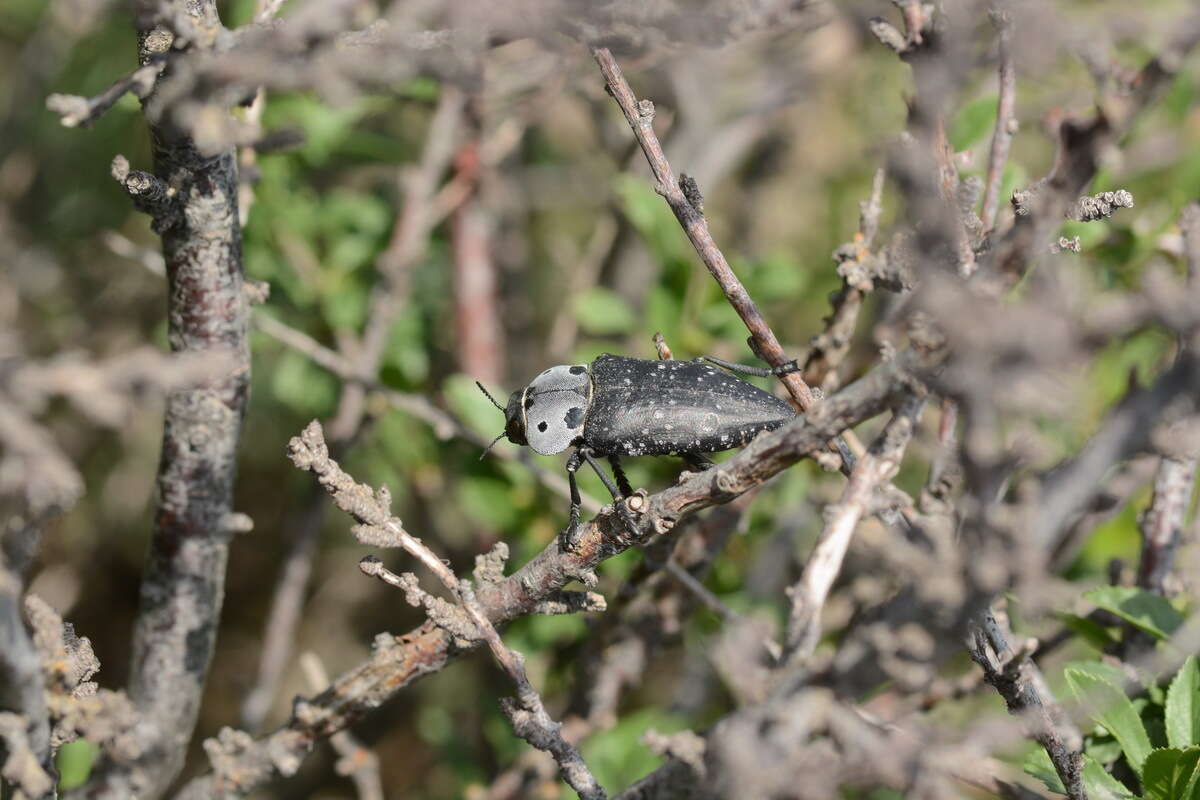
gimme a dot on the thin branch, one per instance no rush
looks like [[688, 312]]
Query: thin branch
[[1020, 683], [1163, 522], [859, 269], [81, 112], [871, 472], [1006, 122], [701, 592], [357, 761]]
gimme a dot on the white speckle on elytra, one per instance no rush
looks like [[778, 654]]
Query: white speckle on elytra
[[645, 431], [658, 415], [660, 366]]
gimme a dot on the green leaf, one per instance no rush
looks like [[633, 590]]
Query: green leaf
[[1037, 764], [1148, 611], [1169, 772], [1100, 785], [602, 311], [74, 762], [1090, 631], [1110, 707], [1098, 669], [973, 122], [1183, 706]]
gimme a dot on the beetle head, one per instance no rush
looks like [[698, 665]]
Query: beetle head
[[514, 419]]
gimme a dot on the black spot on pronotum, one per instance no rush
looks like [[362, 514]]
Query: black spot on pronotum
[[574, 417], [542, 427], [578, 370]]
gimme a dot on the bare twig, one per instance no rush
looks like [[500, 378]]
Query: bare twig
[[79, 111], [702, 593], [859, 269], [357, 761], [1163, 522], [873, 470], [1006, 122], [1019, 682]]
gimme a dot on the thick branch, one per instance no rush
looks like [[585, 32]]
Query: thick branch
[[183, 586]]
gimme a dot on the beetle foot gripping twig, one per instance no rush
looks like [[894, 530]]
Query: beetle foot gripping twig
[[618, 494], [569, 536]]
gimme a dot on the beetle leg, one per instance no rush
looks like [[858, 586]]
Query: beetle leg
[[757, 372], [622, 511], [566, 539], [619, 474], [698, 462]]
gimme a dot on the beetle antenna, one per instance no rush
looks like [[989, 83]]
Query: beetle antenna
[[488, 449], [489, 397]]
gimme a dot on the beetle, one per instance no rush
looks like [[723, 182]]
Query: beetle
[[619, 406]]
